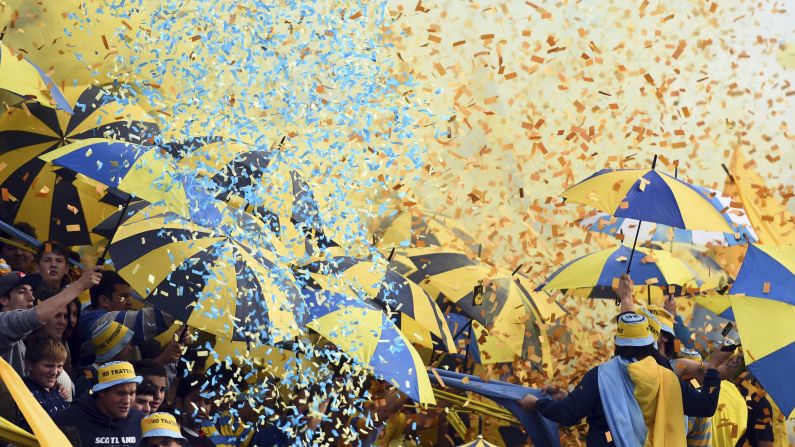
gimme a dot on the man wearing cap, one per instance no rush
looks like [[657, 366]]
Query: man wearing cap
[[19, 317], [110, 342], [111, 301], [161, 430], [633, 399], [106, 418]]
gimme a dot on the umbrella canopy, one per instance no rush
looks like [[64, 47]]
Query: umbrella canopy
[[414, 311], [598, 273], [257, 180], [650, 196], [367, 335], [763, 302], [22, 81], [619, 226], [503, 308], [421, 228], [479, 442], [210, 276], [142, 171], [29, 185]]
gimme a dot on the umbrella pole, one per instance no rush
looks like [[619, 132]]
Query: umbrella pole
[[101, 259]]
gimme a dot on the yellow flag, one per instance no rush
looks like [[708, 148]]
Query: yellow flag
[[47, 433]]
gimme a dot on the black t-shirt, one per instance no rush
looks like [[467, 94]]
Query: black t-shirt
[[760, 419]]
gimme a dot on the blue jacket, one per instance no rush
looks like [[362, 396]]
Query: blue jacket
[[584, 402], [96, 429]]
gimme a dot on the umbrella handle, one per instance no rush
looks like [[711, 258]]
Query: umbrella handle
[[101, 259], [631, 254]]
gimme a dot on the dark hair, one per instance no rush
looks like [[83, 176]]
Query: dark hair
[[52, 247], [641, 352], [107, 285], [23, 227], [146, 388], [148, 367], [670, 347], [190, 383]]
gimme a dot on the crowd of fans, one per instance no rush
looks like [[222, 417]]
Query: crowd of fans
[[101, 373]]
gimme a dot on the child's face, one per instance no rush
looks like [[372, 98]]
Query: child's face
[[52, 267], [46, 372]]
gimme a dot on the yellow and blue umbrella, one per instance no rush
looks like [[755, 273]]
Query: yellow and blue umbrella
[[45, 196], [502, 308], [258, 180], [598, 273], [370, 338], [414, 311], [763, 302], [418, 227], [22, 81], [649, 196], [141, 171], [224, 277], [620, 226]]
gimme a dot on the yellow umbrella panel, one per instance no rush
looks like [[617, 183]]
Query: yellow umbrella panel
[[23, 81], [414, 311], [650, 196], [370, 338], [210, 278], [46, 197]]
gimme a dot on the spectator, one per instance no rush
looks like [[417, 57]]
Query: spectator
[[661, 325], [70, 336], [110, 301], [155, 374], [143, 397], [106, 416], [51, 259], [46, 355], [18, 258], [619, 397], [110, 342], [192, 404], [759, 430], [18, 316], [56, 326], [161, 430]]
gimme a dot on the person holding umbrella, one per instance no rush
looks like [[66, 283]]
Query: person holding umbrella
[[634, 398]]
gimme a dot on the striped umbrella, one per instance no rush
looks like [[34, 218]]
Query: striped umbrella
[[619, 226], [22, 81], [598, 273], [44, 196], [141, 171], [501, 308], [763, 301], [479, 442], [260, 182], [370, 338], [413, 310], [223, 278], [649, 196], [422, 228]]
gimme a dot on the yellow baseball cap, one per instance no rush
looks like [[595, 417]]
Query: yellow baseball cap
[[633, 330], [115, 373], [109, 338], [161, 425]]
